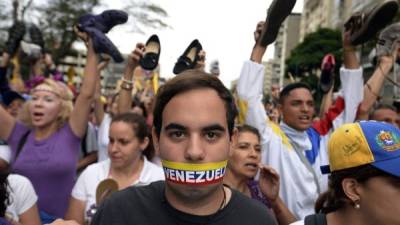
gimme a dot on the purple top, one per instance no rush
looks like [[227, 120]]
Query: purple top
[[4, 222], [50, 165], [257, 194]]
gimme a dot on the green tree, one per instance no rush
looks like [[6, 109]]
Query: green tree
[[305, 58], [57, 17], [56, 22]]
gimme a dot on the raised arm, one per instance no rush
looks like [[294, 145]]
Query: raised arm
[[350, 60], [373, 86], [387, 50], [125, 93], [98, 104], [258, 51], [80, 114]]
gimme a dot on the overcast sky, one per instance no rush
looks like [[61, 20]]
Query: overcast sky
[[224, 28]]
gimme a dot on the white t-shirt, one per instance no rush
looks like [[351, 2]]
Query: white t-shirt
[[5, 153], [22, 196], [85, 187], [300, 222], [103, 137], [91, 142]]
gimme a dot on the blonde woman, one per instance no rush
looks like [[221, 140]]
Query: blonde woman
[[45, 141]]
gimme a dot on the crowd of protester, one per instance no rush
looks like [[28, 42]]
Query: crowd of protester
[[191, 151]]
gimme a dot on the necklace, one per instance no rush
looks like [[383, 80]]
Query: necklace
[[223, 201], [212, 216]]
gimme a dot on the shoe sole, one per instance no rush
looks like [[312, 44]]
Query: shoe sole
[[277, 13], [377, 19]]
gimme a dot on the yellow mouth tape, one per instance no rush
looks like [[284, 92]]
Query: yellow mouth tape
[[194, 166], [194, 174]]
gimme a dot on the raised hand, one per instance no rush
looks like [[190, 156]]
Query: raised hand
[[201, 63], [257, 32], [135, 56], [269, 182]]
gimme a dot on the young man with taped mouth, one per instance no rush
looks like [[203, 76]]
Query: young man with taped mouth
[[194, 134]]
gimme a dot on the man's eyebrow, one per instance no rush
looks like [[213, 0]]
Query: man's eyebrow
[[174, 126], [214, 127]]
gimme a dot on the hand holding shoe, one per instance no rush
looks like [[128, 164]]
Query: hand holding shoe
[[134, 57], [258, 31], [82, 35], [103, 62], [201, 62], [149, 60]]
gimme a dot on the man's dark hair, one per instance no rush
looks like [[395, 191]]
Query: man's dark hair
[[290, 87], [187, 81], [381, 106]]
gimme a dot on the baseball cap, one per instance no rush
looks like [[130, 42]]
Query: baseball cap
[[362, 143]]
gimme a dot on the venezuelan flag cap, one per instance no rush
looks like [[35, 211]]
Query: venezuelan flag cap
[[362, 143]]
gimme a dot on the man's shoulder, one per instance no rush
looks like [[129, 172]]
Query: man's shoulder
[[132, 205], [148, 192]]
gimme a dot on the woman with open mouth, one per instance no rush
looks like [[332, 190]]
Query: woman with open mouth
[[45, 140], [244, 164]]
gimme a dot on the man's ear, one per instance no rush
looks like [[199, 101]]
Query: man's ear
[[280, 108], [233, 140]]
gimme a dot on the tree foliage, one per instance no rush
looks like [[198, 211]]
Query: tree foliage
[[56, 19], [146, 14], [305, 58]]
